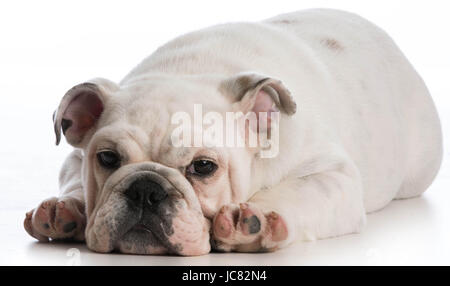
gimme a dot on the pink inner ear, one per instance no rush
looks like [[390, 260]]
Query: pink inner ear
[[263, 103], [83, 112]]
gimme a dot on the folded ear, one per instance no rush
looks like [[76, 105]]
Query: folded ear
[[80, 109], [259, 93]]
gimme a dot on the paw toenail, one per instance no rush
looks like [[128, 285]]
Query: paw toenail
[[243, 206], [273, 216], [254, 225], [68, 227]]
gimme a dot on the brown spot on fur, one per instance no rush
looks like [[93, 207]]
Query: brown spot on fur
[[332, 44], [284, 21]]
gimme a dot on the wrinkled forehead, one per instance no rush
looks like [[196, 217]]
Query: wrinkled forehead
[[150, 99], [142, 118]]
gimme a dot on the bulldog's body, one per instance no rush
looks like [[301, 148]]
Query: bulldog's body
[[365, 132]]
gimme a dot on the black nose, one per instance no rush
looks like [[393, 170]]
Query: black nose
[[145, 192]]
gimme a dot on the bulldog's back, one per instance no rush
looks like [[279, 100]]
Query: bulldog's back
[[352, 84]]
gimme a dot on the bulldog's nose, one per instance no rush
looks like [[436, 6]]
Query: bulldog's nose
[[145, 192]]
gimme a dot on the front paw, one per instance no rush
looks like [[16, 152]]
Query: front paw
[[56, 218], [246, 228]]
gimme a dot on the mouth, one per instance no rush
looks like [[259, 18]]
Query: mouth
[[150, 229], [140, 240], [141, 228], [186, 233]]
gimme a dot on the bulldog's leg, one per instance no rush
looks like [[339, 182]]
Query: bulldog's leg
[[319, 201], [61, 217]]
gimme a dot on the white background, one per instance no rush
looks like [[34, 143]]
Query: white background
[[47, 47]]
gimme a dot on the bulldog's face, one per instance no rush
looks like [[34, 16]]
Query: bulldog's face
[[145, 195]]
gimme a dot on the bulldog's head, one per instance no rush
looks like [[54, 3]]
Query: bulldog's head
[[143, 194]]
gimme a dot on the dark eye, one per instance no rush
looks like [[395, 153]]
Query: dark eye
[[108, 159], [202, 168]]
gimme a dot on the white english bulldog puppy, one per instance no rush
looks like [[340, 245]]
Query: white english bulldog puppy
[[349, 126]]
